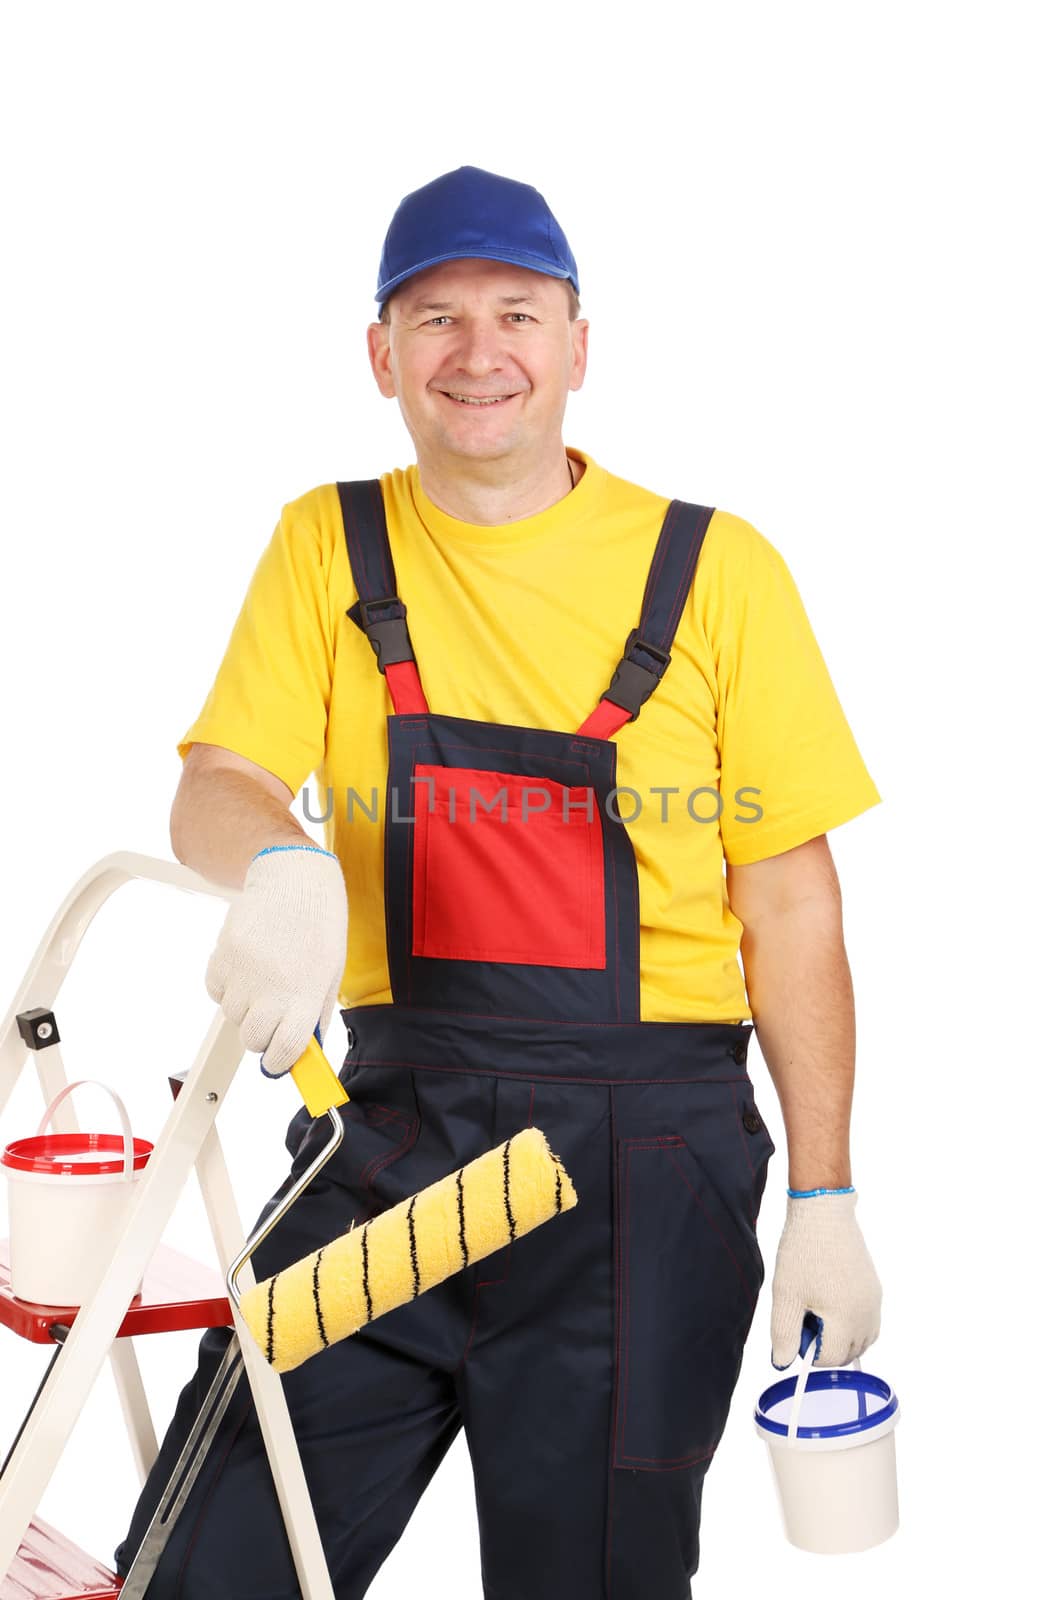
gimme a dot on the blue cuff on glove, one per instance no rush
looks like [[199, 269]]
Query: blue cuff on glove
[[317, 847], [319, 1037], [805, 1194]]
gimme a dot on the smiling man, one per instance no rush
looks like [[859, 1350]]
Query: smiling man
[[497, 413], [579, 754]]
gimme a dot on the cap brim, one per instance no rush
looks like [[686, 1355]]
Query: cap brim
[[514, 258]]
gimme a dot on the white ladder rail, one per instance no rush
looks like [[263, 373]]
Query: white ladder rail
[[188, 1139]]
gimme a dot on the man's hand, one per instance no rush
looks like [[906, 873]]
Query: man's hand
[[823, 1266], [281, 952]]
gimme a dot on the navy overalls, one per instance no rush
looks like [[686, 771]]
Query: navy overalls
[[591, 1361]]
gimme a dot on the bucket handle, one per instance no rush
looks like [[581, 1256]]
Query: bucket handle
[[811, 1336], [126, 1126]]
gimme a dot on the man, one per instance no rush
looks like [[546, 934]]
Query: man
[[524, 912]]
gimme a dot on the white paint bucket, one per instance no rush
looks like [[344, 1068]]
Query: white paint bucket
[[67, 1196], [831, 1441]]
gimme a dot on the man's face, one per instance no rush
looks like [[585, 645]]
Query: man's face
[[479, 330]]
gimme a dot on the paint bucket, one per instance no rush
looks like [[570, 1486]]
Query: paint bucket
[[831, 1440], [67, 1197]]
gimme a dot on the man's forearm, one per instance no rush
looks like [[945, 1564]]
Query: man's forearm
[[800, 993], [222, 818]]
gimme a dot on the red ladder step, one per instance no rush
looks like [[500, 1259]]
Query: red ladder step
[[178, 1292], [49, 1566]]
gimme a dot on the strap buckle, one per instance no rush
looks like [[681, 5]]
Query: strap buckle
[[634, 682], [388, 636]]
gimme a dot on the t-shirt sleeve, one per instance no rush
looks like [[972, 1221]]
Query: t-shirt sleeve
[[270, 698], [790, 767]]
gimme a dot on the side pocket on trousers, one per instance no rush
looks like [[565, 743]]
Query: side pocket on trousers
[[688, 1279], [382, 1124]]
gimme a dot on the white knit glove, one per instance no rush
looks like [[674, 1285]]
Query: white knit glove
[[281, 952], [823, 1266]]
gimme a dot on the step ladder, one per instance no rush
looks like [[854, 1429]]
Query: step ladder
[[36, 1561]]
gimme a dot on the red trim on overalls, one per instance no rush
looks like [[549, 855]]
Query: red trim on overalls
[[605, 719], [405, 689]]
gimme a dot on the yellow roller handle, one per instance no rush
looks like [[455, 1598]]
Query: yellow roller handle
[[319, 1084]]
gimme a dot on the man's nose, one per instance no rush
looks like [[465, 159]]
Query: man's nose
[[480, 348]]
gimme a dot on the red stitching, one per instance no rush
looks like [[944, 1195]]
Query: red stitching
[[391, 1110], [532, 1073], [644, 1142], [657, 558], [670, 1466], [506, 750], [389, 1118], [487, 1283], [669, 1143], [409, 877], [615, 900], [574, 958], [654, 1141], [731, 1031], [625, 1298], [380, 1162], [679, 600], [715, 1228]]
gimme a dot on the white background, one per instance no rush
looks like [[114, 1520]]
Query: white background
[[815, 254]]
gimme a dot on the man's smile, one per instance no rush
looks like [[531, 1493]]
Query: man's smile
[[475, 400]]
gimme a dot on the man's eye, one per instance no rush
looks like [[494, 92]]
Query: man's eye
[[522, 314]]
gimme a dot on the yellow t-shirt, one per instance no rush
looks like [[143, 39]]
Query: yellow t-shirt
[[524, 623]]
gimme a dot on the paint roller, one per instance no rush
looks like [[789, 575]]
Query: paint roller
[[355, 1279], [377, 1266]]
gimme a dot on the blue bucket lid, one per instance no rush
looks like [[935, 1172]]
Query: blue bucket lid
[[829, 1393]]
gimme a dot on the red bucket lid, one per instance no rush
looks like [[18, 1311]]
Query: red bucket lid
[[76, 1155]]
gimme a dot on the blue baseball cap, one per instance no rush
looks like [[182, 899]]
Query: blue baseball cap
[[470, 212]]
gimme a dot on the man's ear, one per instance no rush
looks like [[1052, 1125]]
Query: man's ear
[[579, 367], [380, 357]]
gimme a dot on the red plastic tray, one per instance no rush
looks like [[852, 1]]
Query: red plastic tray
[[177, 1293], [49, 1566]]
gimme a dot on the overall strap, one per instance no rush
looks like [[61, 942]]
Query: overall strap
[[379, 611], [647, 649]]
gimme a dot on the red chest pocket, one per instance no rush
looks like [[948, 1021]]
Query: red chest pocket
[[507, 868]]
